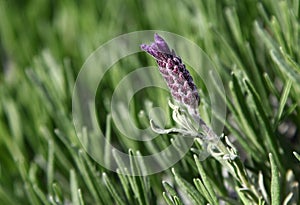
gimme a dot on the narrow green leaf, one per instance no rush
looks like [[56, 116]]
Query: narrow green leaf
[[262, 201], [125, 184], [31, 194], [234, 25], [50, 164], [283, 99], [94, 175], [121, 166], [137, 181], [289, 110], [57, 193], [284, 67], [265, 123], [40, 194], [271, 85], [169, 189], [143, 168], [275, 182], [212, 198], [243, 115], [86, 176], [277, 33], [177, 200], [188, 189], [243, 197], [263, 12], [31, 187], [203, 191], [32, 173], [257, 79], [80, 197], [60, 156], [264, 36], [108, 138], [167, 199], [74, 188], [111, 187]]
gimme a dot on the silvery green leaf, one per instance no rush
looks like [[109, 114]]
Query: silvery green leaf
[[159, 130], [262, 186], [287, 199]]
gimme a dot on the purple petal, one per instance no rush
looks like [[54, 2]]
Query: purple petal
[[145, 47], [150, 49], [161, 44]]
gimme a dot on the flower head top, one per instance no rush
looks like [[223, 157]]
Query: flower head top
[[177, 77]]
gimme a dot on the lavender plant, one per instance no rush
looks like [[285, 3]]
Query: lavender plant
[[253, 44], [184, 91]]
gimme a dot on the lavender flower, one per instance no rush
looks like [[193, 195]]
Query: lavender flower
[[177, 77]]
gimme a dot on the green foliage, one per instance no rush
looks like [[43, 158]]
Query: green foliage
[[255, 46]]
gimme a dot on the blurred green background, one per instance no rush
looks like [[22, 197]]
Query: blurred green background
[[255, 46]]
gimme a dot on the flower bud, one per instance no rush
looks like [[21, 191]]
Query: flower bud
[[177, 77]]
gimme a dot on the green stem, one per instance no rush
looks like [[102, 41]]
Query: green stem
[[235, 166]]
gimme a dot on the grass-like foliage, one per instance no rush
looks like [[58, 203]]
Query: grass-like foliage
[[254, 45]]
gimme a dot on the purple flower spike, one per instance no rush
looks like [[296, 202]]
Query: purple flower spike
[[177, 77]]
